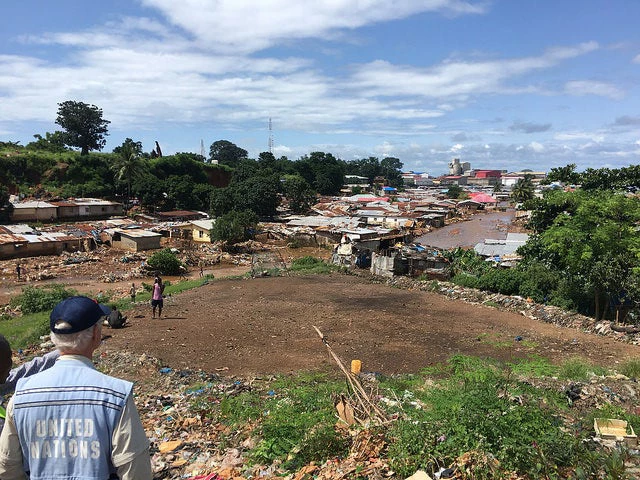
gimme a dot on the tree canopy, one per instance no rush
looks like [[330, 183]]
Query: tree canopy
[[591, 238], [83, 125], [225, 152]]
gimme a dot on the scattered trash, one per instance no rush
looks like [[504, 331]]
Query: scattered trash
[[613, 429]]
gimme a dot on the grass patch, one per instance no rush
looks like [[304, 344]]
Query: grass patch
[[631, 368], [475, 407], [25, 330], [578, 369], [534, 366], [294, 420], [480, 408], [312, 265]]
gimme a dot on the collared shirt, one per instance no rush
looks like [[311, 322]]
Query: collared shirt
[[130, 446], [26, 369]]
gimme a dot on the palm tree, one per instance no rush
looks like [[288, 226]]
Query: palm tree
[[523, 189], [128, 165]]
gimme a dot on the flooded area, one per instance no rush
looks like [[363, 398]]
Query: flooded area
[[467, 234]]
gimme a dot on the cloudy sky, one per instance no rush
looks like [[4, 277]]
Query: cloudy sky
[[506, 84]]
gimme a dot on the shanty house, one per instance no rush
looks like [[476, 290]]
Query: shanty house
[[34, 210], [96, 208], [201, 230], [134, 240]]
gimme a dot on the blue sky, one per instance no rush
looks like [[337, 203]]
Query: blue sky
[[506, 84]]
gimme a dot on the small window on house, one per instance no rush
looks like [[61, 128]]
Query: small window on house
[[200, 234]]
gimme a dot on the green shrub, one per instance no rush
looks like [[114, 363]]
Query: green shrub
[[39, 299], [538, 282], [165, 262], [505, 281], [310, 264], [466, 280]]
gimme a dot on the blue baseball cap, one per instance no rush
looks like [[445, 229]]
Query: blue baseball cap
[[79, 312]]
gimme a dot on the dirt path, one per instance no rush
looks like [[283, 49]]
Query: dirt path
[[261, 326]]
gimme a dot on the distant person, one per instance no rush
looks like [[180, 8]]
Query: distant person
[[157, 297], [183, 271], [132, 292], [9, 376], [18, 270], [201, 265], [72, 421]]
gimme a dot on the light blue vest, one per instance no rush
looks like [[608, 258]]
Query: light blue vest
[[65, 419]]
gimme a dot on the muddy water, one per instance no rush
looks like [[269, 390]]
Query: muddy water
[[466, 234]]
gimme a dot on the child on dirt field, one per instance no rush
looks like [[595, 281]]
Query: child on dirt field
[[132, 292]]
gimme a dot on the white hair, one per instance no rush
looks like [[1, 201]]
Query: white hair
[[73, 342]]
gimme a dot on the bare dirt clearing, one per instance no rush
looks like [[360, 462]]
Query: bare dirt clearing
[[261, 326]]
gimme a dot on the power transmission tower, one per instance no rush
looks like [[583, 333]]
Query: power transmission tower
[[270, 137], [202, 148]]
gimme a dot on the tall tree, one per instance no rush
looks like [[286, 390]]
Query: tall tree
[[128, 164], [226, 153], [299, 193], [391, 169], [83, 124]]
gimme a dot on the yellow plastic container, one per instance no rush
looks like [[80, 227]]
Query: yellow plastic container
[[356, 366]]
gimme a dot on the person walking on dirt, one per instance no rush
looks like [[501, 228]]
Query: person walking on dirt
[[201, 265], [157, 297], [18, 270], [132, 292]]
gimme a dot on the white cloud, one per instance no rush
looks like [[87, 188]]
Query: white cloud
[[588, 87], [536, 147], [576, 136], [636, 59], [249, 26], [457, 79]]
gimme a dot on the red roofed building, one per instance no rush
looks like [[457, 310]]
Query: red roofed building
[[485, 177]]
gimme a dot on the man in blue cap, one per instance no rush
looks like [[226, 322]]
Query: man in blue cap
[[72, 421]]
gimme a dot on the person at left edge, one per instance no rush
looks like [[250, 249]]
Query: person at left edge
[[10, 376], [72, 421]]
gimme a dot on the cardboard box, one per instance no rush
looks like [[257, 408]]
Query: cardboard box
[[618, 430]]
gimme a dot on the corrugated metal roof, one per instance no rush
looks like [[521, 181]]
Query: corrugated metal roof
[[138, 233], [33, 204], [203, 224], [21, 228], [8, 238]]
